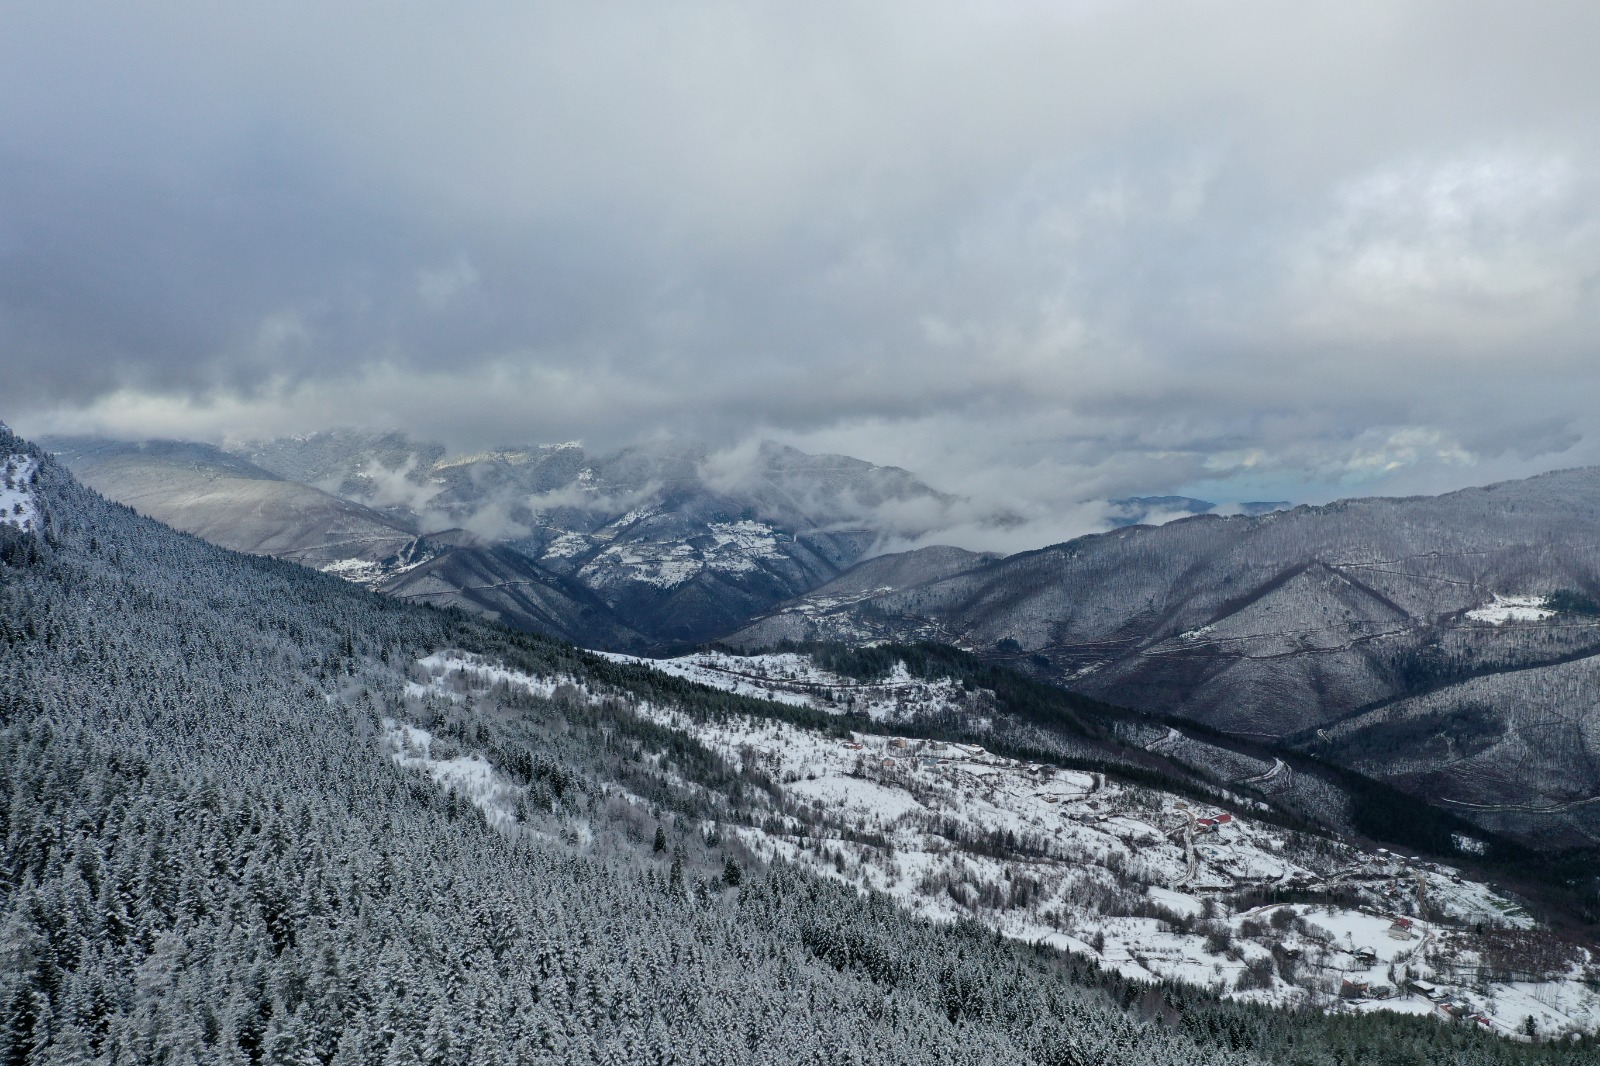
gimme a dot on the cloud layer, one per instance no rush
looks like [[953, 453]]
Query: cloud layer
[[1041, 254]]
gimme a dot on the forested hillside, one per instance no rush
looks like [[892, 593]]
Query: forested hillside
[[211, 856]]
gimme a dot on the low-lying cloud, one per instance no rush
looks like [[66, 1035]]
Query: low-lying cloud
[[1041, 255]]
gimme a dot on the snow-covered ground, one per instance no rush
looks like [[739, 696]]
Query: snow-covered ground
[[664, 565], [1505, 609], [796, 680], [832, 615], [1152, 884], [17, 505], [368, 572], [358, 571], [566, 546], [469, 776], [481, 673]]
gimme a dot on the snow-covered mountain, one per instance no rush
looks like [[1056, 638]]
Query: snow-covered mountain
[[682, 543], [1384, 633], [204, 490], [1155, 510], [253, 813], [665, 544], [18, 508], [1404, 638]]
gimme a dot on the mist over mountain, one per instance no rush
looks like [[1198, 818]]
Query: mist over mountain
[[204, 490], [515, 490], [258, 869], [666, 543], [682, 543], [229, 501], [1158, 510], [888, 532]]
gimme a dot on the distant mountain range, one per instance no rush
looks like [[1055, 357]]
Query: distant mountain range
[[655, 545], [204, 490], [253, 812], [229, 501]]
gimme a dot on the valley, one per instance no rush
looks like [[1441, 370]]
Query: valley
[[1152, 885], [659, 545], [1368, 633]]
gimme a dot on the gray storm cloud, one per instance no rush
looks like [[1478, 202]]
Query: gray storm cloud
[[1041, 254]]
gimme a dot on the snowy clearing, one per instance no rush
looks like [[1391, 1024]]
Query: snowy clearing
[[1512, 609], [441, 665], [469, 776], [729, 548], [796, 680], [17, 505]]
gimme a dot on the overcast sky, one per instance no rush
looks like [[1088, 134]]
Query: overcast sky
[[1038, 252]]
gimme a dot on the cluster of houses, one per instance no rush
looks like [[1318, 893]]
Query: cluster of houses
[[1445, 1003], [1448, 1006]]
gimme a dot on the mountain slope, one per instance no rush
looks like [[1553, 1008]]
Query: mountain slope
[[941, 814], [1283, 624], [247, 821], [274, 888], [205, 491], [506, 586]]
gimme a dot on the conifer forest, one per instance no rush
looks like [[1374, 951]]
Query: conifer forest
[[208, 858]]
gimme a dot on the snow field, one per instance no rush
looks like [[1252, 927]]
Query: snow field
[[796, 680], [1505, 609], [368, 572], [441, 665], [709, 669], [469, 776], [567, 545], [1105, 849]]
